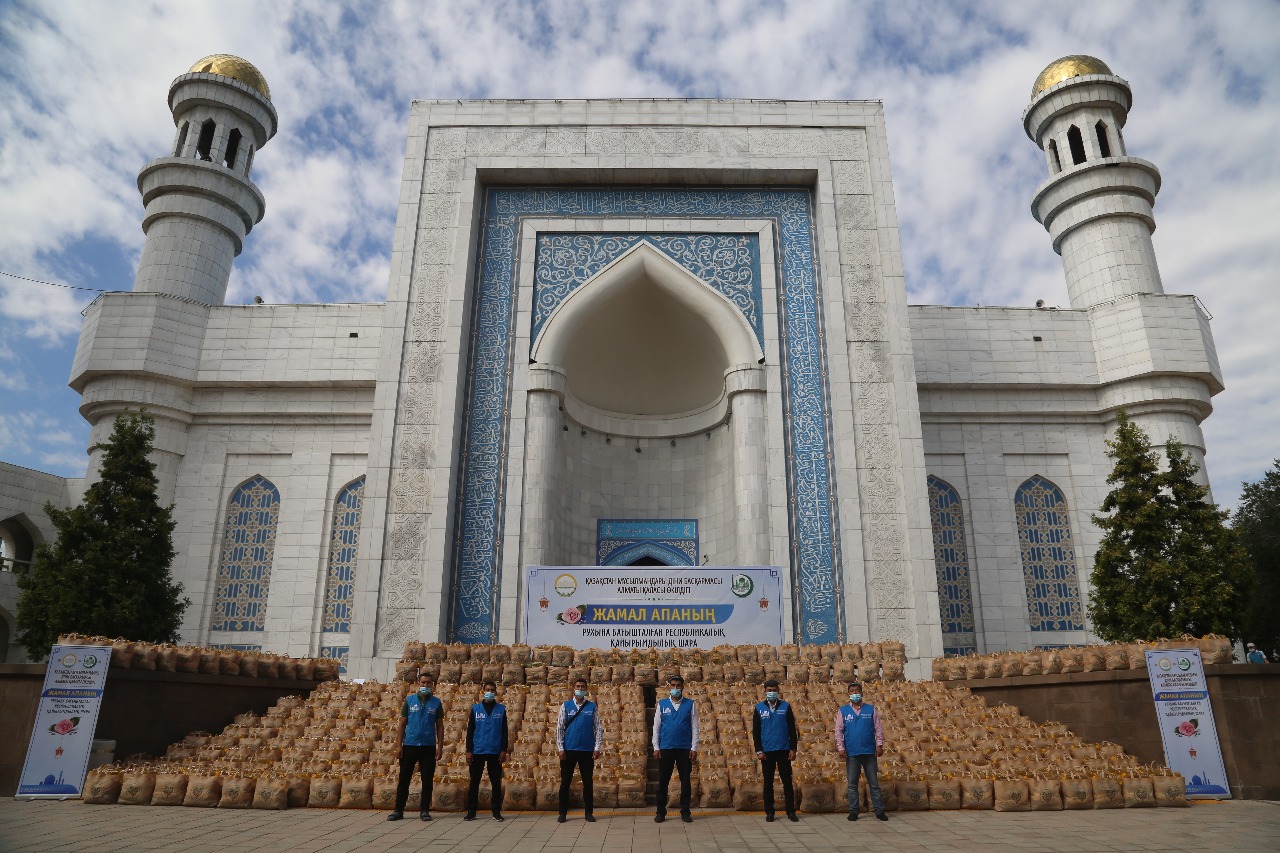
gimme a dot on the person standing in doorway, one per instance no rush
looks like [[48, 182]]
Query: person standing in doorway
[[675, 745], [487, 743], [1252, 655], [579, 739], [420, 742], [860, 739], [773, 728]]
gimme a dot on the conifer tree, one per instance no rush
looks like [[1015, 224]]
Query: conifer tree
[[1167, 564], [108, 572], [1257, 521]]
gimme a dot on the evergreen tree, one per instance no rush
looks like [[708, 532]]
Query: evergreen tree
[[1167, 564], [1257, 521], [108, 572]]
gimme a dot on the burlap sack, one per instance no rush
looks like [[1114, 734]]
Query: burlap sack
[[851, 652], [136, 788], [414, 803], [450, 673], [249, 664], [325, 793], [415, 650], [519, 796], [941, 669], [944, 794], [271, 793], [1095, 658], [1214, 649], [1011, 795], [299, 792], [510, 674], [122, 653], [913, 794], [306, 669], [773, 670], [268, 666], [547, 797], [631, 794], [557, 675], [534, 673], [956, 669], [646, 676], [843, 671], [749, 797], [186, 659], [1170, 791], [288, 668], [888, 793], [600, 674], [1033, 663], [691, 673], [541, 654], [1117, 656], [576, 672], [753, 673], [166, 658], [458, 653], [229, 661], [797, 673], [605, 795], [893, 670], [384, 794], [102, 787], [433, 652], [766, 654], [472, 673], [1139, 793], [716, 793], [732, 673], [356, 794], [1010, 664], [869, 670], [1072, 660], [208, 661], [170, 789], [977, 794], [407, 670], [1051, 662], [991, 666], [713, 672], [1046, 795], [1107, 793], [203, 791], [561, 656], [237, 792], [747, 654], [448, 797], [673, 794], [1138, 656], [1077, 794], [973, 667], [818, 797]]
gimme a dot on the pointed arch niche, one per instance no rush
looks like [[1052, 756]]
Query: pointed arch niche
[[646, 400], [1048, 557], [244, 564], [951, 561]]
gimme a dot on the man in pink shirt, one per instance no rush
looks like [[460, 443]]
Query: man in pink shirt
[[860, 739]]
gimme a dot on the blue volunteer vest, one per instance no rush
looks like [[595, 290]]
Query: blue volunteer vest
[[420, 720], [676, 729], [773, 726], [581, 736], [487, 739], [859, 730]]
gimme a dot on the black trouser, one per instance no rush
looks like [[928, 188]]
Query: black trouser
[[585, 761], [425, 759], [478, 765], [679, 760], [780, 759]]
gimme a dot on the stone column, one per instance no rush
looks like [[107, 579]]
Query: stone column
[[542, 423], [750, 466]]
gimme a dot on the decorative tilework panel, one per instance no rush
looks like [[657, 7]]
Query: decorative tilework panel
[[1048, 559], [338, 653], [729, 263], [344, 546], [477, 552], [951, 561], [620, 542], [244, 567]]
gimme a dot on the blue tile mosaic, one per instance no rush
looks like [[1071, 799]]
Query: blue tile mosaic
[[477, 548], [244, 567], [951, 562], [729, 263], [620, 542], [344, 547], [1048, 558], [239, 647], [338, 653]]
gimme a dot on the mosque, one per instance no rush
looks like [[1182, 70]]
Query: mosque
[[634, 332]]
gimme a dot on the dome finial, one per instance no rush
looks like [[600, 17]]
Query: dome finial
[[226, 65], [1076, 65]]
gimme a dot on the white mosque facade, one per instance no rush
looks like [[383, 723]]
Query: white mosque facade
[[634, 331]]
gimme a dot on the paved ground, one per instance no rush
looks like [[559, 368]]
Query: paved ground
[[49, 827]]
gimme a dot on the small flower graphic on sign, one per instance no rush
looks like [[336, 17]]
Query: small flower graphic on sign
[[573, 615], [1187, 728], [62, 728]]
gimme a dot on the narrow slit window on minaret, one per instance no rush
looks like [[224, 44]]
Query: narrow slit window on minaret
[[233, 145], [1104, 147], [1053, 152], [182, 139], [248, 162], [205, 142], [1076, 141]]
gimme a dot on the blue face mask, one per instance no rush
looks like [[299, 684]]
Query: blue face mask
[[772, 696], [424, 691], [855, 698], [676, 692], [488, 696], [581, 694]]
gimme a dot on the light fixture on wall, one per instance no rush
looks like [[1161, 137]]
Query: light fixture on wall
[[608, 439], [638, 446], [673, 442], [584, 432]]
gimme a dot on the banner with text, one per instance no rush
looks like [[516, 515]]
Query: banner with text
[[1186, 721], [58, 754], [627, 607]]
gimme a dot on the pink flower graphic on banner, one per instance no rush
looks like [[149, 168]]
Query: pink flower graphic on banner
[[573, 615], [1187, 728], [64, 727]]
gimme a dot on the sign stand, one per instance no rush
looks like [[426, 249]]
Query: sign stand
[[1186, 723], [58, 754]]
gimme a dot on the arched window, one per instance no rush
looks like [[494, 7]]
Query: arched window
[[244, 567], [1055, 161], [182, 139], [951, 561], [1076, 141], [1048, 558], [248, 163], [205, 143], [1104, 146], [233, 145], [344, 546]]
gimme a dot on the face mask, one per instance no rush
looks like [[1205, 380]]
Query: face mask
[[488, 696], [581, 694], [675, 692], [855, 698], [425, 691], [772, 696]]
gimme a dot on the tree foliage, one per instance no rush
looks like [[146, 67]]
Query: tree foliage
[[1168, 564], [108, 571], [1257, 522]]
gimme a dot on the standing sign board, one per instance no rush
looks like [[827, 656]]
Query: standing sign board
[[1186, 721], [58, 754], [625, 607]]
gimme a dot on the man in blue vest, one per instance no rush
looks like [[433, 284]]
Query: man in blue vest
[[675, 745], [773, 728], [420, 742], [860, 739], [486, 748], [579, 739]]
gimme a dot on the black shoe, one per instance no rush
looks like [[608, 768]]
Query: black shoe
[[425, 815], [853, 815], [687, 818], [659, 818], [768, 818], [470, 816], [562, 818], [499, 818], [396, 816], [589, 818], [793, 817], [881, 816]]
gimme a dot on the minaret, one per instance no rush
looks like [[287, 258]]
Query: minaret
[[200, 202]]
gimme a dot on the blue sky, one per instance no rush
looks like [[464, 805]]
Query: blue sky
[[82, 109]]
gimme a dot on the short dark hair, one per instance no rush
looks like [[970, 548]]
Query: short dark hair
[[490, 684], [853, 684], [673, 679], [772, 682], [578, 681], [423, 675]]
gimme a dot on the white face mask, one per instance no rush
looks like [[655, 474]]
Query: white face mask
[[855, 698], [676, 692], [581, 694], [425, 691], [772, 696], [488, 696]]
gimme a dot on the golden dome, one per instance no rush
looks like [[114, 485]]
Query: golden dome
[[1067, 67], [226, 65]]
